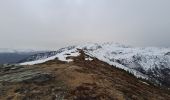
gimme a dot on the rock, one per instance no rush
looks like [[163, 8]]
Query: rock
[[40, 78], [8, 68], [23, 74]]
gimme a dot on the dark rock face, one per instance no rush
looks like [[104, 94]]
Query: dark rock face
[[159, 74], [160, 77]]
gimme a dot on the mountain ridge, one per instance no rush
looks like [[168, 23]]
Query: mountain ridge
[[83, 78], [149, 63]]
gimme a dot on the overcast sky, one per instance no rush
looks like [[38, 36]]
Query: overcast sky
[[51, 24]]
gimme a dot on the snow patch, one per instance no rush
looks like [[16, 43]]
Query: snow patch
[[61, 56], [144, 82], [89, 59]]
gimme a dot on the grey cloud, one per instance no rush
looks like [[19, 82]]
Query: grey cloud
[[51, 24]]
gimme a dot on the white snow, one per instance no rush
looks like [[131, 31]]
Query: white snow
[[61, 56], [144, 82], [111, 53], [88, 58]]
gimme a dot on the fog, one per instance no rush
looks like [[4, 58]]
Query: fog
[[51, 24]]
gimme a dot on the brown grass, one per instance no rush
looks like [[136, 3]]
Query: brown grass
[[84, 80]]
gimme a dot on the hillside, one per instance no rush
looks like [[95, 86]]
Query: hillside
[[80, 79], [150, 63]]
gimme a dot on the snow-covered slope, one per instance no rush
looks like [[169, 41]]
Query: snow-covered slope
[[61, 54], [150, 63]]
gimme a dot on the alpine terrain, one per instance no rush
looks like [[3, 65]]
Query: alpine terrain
[[94, 71]]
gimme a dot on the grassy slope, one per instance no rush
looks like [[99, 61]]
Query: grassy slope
[[81, 80]]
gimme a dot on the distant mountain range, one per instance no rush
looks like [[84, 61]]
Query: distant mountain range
[[11, 56]]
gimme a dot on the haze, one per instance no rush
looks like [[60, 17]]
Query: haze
[[51, 24]]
